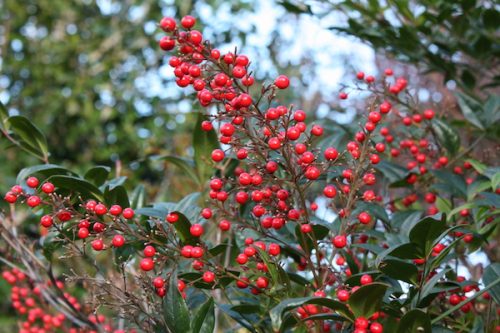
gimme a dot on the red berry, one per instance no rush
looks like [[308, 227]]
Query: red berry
[[83, 233], [149, 251], [343, 295], [32, 182], [339, 241], [224, 225], [331, 153], [196, 230], [330, 191], [343, 95], [10, 197], [305, 228], [115, 210], [317, 130], [97, 244], [172, 217], [218, 155], [242, 259], [118, 241], [188, 22], [312, 173], [206, 213], [428, 114], [364, 218], [33, 201], [366, 279], [262, 282], [208, 277], [168, 24], [158, 282], [376, 328], [274, 143], [128, 213], [48, 187], [282, 82], [100, 209], [274, 249], [147, 264], [46, 221], [167, 43]]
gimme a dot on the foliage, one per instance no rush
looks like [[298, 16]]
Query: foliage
[[287, 228]]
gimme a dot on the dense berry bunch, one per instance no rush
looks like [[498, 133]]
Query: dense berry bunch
[[262, 228]]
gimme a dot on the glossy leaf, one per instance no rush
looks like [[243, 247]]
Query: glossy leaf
[[491, 274], [367, 300], [34, 140], [400, 270], [204, 142], [425, 232], [79, 185], [415, 321], [447, 136], [204, 318], [187, 166], [98, 174], [175, 310]]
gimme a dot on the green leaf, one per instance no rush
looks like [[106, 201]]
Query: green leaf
[[182, 227], [454, 184], [400, 270], [175, 310], [470, 109], [188, 166], [4, 114], [75, 184], [204, 142], [415, 321], [367, 299], [393, 172], [425, 232], [204, 318], [32, 138], [402, 251], [447, 136], [429, 285], [478, 166], [116, 196], [43, 169], [138, 198], [491, 274], [98, 174], [278, 311]]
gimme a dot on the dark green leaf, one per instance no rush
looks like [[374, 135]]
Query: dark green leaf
[[79, 185], [33, 139], [470, 108], [204, 318], [415, 321], [446, 136], [43, 169], [425, 232], [402, 251], [491, 274], [98, 174], [175, 311], [188, 166], [278, 311], [116, 196], [400, 270], [138, 198], [182, 227], [204, 142], [393, 172], [367, 299]]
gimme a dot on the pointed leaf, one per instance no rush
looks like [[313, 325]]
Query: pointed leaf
[[204, 142], [79, 185], [31, 136], [426, 231], [367, 300], [98, 174], [175, 311], [415, 321], [204, 318]]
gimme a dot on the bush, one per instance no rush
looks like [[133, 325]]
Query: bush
[[299, 226]]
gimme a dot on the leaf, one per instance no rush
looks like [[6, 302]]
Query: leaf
[[33, 139], [491, 274], [43, 169], [400, 270], [116, 196], [75, 184], [447, 136], [415, 321], [470, 109], [277, 312], [429, 285], [188, 166], [204, 142], [454, 183], [367, 299], [138, 198], [425, 232], [175, 311], [204, 318], [182, 227], [98, 174], [393, 172], [402, 251], [296, 8], [4, 114]]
